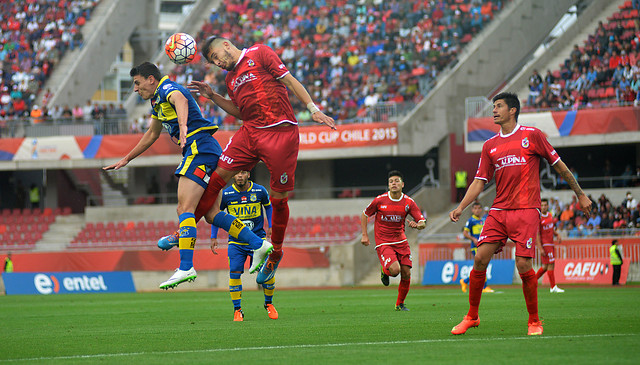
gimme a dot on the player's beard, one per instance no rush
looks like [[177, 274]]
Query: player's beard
[[229, 65]]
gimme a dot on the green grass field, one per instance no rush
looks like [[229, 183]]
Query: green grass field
[[342, 326]]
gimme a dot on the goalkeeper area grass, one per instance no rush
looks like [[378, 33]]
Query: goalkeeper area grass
[[340, 326]]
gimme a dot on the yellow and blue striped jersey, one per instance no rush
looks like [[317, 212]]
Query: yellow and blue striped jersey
[[165, 112], [474, 226], [247, 206]]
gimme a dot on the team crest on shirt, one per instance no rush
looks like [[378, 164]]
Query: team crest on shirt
[[529, 242], [253, 197], [525, 142], [284, 178], [406, 208], [250, 63]]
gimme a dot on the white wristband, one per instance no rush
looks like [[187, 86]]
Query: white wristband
[[312, 108]]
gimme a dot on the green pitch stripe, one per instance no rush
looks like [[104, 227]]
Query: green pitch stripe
[[327, 345]]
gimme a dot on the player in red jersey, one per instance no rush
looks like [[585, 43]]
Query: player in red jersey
[[513, 156], [545, 245], [391, 210], [257, 82]]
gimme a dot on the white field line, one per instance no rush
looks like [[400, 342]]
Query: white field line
[[312, 346]]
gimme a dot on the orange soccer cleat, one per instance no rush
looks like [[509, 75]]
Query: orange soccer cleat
[[467, 322], [271, 311], [463, 286], [535, 328], [238, 315]]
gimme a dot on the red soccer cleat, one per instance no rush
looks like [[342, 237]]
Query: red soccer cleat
[[467, 322], [535, 328]]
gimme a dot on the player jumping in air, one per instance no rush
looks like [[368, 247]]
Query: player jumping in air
[[391, 209], [257, 82], [176, 110], [546, 246], [513, 156]]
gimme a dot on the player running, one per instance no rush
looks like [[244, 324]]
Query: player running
[[257, 82], [471, 231], [245, 200], [546, 246], [391, 210], [176, 110], [513, 155]]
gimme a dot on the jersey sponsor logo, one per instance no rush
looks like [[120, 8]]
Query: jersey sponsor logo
[[281, 66], [511, 160], [250, 63], [241, 80], [248, 223], [246, 210], [494, 149], [525, 142], [284, 178], [391, 218], [166, 87], [243, 199]]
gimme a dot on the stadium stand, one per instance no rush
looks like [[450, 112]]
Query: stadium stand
[[34, 36], [21, 229], [351, 56], [603, 72], [319, 230]]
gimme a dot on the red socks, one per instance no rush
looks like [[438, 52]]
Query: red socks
[[530, 290], [552, 278], [403, 290], [208, 199], [279, 221], [476, 283], [540, 272]]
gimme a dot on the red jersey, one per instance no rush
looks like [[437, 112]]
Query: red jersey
[[515, 161], [254, 87], [547, 222], [390, 216]]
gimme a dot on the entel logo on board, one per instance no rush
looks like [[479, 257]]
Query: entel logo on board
[[46, 284], [452, 273]]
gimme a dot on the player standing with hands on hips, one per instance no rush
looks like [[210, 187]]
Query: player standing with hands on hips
[[391, 210], [513, 156], [257, 82]]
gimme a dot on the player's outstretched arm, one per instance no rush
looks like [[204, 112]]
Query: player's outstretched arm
[[472, 193], [583, 199], [205, 90], [303, 95], [149, 137], [419, 225], [365, 235]]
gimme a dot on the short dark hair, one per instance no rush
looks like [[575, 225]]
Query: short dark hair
[[544, 200], [511, 99], [614, 242], [475, 204], [145, 70], [207, 45], [396, 173]]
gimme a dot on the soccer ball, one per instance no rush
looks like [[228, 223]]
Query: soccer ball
[[181, 48]]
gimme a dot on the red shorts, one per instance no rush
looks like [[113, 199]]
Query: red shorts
[[550, 258], [276, 146], [388, 254], [520, 225]]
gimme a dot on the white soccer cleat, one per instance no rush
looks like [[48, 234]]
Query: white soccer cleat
[[260, 255], [555, 289], [179, 277]]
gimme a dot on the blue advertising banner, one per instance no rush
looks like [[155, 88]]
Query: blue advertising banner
[[450, 272], [68, 282]]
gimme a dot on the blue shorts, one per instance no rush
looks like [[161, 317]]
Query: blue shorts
[[200, 159], [238, 256]]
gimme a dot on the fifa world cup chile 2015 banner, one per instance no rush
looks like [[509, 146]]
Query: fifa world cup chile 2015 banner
[[68, 282], [450, 272], [116, 146]]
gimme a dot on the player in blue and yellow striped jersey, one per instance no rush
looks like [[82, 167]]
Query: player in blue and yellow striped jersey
[[472, 231], [175, 109], [245, 199]]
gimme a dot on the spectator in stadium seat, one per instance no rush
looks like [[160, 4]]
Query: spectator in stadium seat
[[605, 221]]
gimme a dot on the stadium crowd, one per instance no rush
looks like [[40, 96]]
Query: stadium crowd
[[351, 54], [34, 36], [605, 71]]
